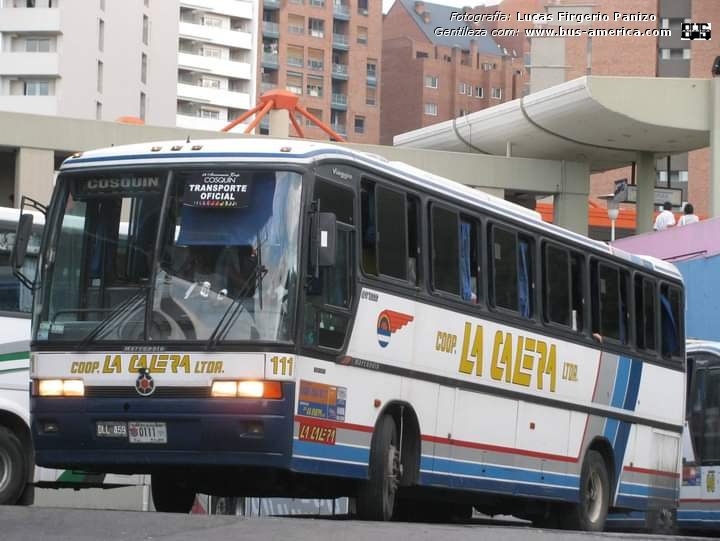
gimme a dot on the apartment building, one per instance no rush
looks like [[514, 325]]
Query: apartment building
[[429, 78], [216, 61], [554, 60], [328, 53], [93, 59]]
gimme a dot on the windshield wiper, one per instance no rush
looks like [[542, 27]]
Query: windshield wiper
[[122, 309], [236, 307]]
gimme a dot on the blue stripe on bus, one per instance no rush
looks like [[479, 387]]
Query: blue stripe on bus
[[475, 469], [324, 467], [333, 452], [698, 515], [648, 491], [491, 485], [622, 375], [631, 501], [633, 385]]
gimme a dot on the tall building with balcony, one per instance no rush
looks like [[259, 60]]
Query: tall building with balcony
[[430, 77], [94, 59], [216, 62], [327, 52]]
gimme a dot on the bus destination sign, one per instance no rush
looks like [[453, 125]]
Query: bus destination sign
[[216, 189]]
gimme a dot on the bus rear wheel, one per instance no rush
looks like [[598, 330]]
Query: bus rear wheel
[[13, 468], [590, 513], [170, 495], [376, 495]]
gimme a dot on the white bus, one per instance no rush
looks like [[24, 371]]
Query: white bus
[[290, 318], [699, 508], [18, 476]]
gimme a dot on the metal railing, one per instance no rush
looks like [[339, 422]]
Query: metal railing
[[341, 9], [317, 65], [295, 62], [270, 58], [339, 99], [340, 69], [270, 27], [340, 39]]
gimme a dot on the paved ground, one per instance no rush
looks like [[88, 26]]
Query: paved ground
[[44, 524]]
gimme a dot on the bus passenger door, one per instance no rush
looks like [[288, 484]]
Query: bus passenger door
[[329, 290]]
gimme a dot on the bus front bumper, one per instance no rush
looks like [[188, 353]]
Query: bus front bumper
[[80, 432]]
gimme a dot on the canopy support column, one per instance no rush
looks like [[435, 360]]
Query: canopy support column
[[645, 178]]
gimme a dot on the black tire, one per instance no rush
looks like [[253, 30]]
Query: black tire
[[376, 495], [590, 513], [170, 495], [13, 468]]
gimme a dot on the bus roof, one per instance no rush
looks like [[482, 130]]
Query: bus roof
[[261, 149], [695, 345]]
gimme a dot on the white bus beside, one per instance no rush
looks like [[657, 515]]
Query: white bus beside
[[290, 318], [18, 475]]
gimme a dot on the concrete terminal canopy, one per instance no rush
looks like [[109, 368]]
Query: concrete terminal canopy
[[606, 122]]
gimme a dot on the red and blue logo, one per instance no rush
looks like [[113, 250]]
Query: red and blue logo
[[388, 323]]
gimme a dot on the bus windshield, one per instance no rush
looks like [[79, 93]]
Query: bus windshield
[[212, 258]]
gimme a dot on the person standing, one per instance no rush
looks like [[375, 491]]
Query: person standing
[[688, 217], [666, 218]]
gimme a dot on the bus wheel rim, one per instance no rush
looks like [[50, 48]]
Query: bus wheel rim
[[594, 497], [5, 469]]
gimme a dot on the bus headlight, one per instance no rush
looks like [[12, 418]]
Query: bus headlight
[[247, 389], [60, 387]]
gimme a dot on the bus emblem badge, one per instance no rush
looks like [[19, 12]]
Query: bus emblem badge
[[388, 323], [145, 384]]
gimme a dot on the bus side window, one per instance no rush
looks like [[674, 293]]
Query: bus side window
[[557, 285], [645, 298], [671, 321], [512, 271], [389, 232], [610, 302], [445, 250]]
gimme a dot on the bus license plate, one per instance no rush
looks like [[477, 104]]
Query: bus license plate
[[111, 429], [147, 432]]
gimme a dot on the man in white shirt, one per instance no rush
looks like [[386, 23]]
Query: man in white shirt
[[666, 218], [689, 217]]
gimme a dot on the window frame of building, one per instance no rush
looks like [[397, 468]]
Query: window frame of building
[[209, 113], [37, 45], [216, 51], [100, 76], [312, 83], [430, 109], [359, 122], [316, 27], [214, 83], [146, 30], [362, 35], [362, 7], [143, 105], [35, 87], [481, 93], [143, 68], [496, 93], [293, 26], [297, 76], [101, 35], [371, 101], [211, 21], [432, 81]]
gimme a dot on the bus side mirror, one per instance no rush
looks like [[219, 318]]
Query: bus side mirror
[[326, 239], [22, 238]]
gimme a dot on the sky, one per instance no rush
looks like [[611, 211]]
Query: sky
[[453, 3]]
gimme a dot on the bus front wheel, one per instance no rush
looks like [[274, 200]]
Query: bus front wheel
[[170, 495], [590, 513], [13, 468], [376, 495]]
